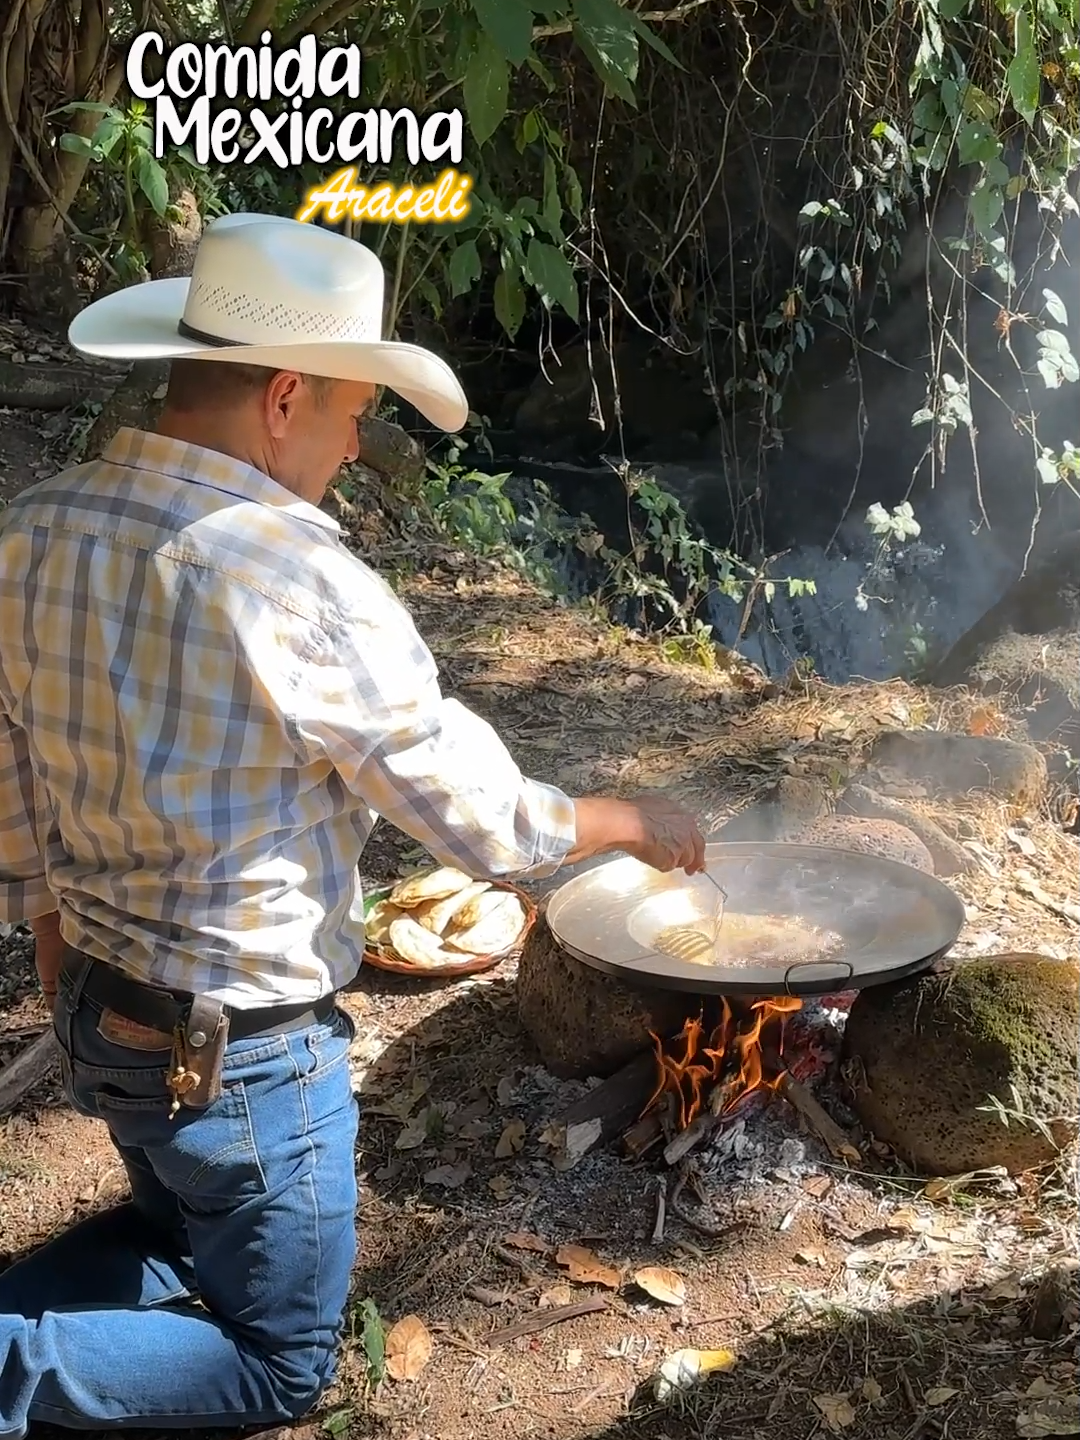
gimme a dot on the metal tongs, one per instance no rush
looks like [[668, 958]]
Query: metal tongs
[[719, 904]]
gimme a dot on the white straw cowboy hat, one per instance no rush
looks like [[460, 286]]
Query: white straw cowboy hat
[[276, 292]]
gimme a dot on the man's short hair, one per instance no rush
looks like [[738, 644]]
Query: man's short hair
[[219, 384]]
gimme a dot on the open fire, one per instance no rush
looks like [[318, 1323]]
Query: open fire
[[674, 1096], [709, 1071]]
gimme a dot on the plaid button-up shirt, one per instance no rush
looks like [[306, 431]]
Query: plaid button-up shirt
[[205, 703]]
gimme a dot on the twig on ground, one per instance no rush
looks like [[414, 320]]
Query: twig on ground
[[28, 1068], [533, 1281], [909, 1395], [1065, 908], [455, 1253], [661, 1212], [543, 1318], [712, 1229], [24, 1032]]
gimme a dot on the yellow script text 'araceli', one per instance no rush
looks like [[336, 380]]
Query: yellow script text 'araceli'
[[446, 200]]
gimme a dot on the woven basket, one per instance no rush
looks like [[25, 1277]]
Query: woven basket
[[384, 958]]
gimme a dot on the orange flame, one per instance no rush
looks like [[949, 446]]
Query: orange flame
[[731, 1059]]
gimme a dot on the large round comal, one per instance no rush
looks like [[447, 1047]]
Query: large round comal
[[792, 919]]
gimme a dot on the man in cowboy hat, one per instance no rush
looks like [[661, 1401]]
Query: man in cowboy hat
[[205, 703]]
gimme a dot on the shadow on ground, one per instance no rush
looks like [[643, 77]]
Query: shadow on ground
[[957, 1367]]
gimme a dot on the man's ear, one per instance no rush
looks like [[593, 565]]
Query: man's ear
[[280, 399]]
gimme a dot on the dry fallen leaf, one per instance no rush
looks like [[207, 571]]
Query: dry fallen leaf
[[1059, 1415], [574, 1359], [661, 1284], [871, 1390], [575, 1141], [501, 1186], [586, 1268], [1023, 843], [1008, 1288], [1040, 1389], [837, 1411], [683, 1369], [812, 1257], [511, 1140], [939, 1189], [984, 721], [414, 1134], [401, 1106], [940, 1395], [408, 1348], [449, 1177], [554, 1297], [525, 1240], [817, 1185], [504, 1091]]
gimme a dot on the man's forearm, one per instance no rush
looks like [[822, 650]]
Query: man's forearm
[[657, 831], [48, 951], [604, 825]]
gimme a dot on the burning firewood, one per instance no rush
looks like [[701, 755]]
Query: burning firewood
[[688, 1087], [837, 1139], [707, 1078]]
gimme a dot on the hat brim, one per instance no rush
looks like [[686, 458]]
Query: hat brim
[[140, 323]]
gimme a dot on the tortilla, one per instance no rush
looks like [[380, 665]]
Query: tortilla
[[431, 885], [500, 924], [417, 946], [436, 915]]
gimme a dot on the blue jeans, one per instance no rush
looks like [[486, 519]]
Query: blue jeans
[[216, 1296]]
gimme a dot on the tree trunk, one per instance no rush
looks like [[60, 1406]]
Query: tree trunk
[[136, 401], [16, 44], [48, 59]]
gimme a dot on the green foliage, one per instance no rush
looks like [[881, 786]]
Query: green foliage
[[373, 1341], [979, 66], [121, 146], [900, 525], [594, 142], [485, 88], [670, 567]]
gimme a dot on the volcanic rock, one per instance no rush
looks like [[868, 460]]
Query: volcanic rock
[[925, 1058], [582, 1021], [870, 837], [949, 856], [1026, 649], [779, 814], [957, 764]]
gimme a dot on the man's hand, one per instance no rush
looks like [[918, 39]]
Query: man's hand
[[48, 953], [656, 831]]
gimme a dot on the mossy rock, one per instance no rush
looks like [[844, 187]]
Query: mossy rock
[[925, 1057], [1025, 650], [582, 1021]]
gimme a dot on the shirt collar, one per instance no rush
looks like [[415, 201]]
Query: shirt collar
[[161, 454]]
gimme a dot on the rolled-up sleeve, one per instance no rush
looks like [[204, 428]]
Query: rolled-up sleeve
[[372, 705], [24, 893]]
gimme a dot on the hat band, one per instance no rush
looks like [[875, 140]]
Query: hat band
[[205, 338]]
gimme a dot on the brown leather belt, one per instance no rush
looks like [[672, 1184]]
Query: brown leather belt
[[166, 1009]]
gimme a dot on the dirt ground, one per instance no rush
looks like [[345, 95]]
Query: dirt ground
[[855, 1301]]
